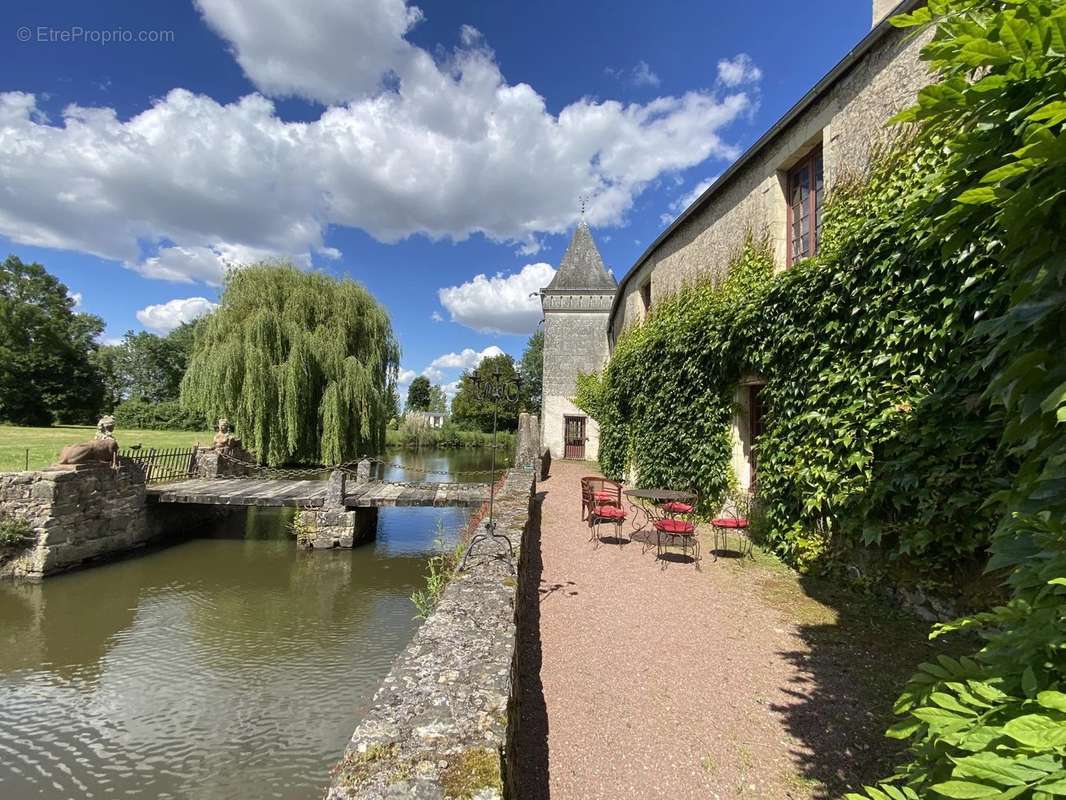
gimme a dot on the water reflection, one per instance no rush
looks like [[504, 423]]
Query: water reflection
[[468, 465], [227, 666]]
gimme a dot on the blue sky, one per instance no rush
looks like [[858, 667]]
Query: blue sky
[[413, 147]]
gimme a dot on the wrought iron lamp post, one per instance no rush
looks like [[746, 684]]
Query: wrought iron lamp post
[[496, 389]]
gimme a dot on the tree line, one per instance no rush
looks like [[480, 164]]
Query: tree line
[[54, 370], [469, 410], [303, 363]]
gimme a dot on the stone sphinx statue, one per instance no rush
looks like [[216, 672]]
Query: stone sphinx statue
[[103, 449], [225, 439], [105, 428]]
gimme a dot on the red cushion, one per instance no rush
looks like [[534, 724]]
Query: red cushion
[[729, 522], [674, 526], [611, 512], [676, 508], [605, 496]]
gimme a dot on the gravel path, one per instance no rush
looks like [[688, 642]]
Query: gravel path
[[660, 682]]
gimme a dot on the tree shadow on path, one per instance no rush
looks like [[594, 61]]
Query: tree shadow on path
[[858, 653]]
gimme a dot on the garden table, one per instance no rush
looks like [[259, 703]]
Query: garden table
[[646, 502]]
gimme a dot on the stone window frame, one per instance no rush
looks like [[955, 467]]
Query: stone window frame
[[810, 166], [645, 296]]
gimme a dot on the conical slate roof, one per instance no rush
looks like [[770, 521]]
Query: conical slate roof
[[582, 267]]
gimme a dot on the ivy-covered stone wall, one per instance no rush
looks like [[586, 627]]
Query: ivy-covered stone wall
[[879, 450]]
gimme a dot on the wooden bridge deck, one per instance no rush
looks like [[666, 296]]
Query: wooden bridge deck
[[312, 494]]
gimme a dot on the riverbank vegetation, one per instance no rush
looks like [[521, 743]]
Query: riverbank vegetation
[[440, 568], [14, 532], [916, 391], [447, 437]]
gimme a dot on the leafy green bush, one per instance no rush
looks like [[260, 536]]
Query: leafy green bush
[[167, 415], [14, 532], [994, 725]]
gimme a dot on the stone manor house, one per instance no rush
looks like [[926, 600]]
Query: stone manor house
[[776, 188]]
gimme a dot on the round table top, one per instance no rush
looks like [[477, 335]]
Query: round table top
[[659, 494]]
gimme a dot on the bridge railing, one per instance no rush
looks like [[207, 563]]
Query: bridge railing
[[163, 464]]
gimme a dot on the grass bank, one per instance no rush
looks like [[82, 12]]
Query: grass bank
[[40, 446]]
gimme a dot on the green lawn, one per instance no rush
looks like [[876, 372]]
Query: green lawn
[[44, 444]]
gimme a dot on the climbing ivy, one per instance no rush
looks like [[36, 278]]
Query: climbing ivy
[[994, 725], [665, 400], [876, 436], [916, 378]]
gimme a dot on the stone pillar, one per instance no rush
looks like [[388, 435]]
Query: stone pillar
[[336, 525], [335, 488], [327, 528], [527, 450], [77, 513], [362, 471]]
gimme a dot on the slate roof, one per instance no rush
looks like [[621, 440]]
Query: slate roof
[[582, 266]]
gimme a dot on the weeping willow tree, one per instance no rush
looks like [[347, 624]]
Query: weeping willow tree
[[303, 364]]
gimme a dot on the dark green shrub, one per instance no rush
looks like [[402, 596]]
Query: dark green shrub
[[14, 532], [168, 415]]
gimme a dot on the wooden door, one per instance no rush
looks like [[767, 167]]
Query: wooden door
[[574, 437]]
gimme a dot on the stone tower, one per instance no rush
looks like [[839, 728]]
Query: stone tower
[[576, 306]]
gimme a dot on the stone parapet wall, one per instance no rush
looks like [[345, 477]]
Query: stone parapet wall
[[439, 724], [77, 513]]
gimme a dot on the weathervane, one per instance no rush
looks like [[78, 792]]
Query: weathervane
[[583, 200]]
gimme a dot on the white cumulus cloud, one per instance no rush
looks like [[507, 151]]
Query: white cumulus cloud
[[467, 359], [165, 317], [500, 304], [412, 144], [739, 69], [326, 50]]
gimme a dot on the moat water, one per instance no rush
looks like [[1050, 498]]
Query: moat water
[[228, 665]]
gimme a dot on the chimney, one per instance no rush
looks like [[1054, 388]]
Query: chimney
[[882, 8]]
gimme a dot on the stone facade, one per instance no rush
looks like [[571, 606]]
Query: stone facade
[[576, 306], [845, 115], [846, 118], [77, 513]]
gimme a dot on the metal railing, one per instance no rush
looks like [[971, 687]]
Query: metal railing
[[163, 464]]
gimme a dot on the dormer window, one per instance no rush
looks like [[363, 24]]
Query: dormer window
[[805, 190]]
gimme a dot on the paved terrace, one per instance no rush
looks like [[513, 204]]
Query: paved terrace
[[649, 679], [312, 493]]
